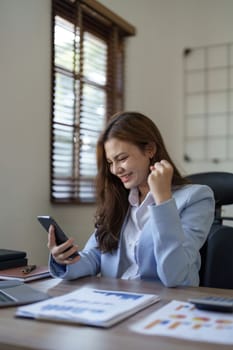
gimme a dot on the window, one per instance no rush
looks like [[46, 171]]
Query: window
[[87, 87]]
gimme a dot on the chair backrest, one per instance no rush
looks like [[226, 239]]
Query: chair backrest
[[217, 253]]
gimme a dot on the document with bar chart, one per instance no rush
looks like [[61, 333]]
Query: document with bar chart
[[182, 320], [90, 306]]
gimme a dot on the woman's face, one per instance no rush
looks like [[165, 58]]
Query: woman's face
[[128, 162]]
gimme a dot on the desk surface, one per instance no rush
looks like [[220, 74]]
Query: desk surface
[[22, 334]]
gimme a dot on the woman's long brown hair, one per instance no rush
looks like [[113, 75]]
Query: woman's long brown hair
[[112, 196]]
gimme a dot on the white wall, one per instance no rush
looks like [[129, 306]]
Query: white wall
[[164, 28]]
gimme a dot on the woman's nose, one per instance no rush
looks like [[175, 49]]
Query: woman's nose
[[116, 169]]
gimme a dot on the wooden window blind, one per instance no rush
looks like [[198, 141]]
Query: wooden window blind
[[87, 87]]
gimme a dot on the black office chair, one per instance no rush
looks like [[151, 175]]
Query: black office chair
[[217, 253]]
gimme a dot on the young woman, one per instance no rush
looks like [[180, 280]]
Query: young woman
[[150, 222]]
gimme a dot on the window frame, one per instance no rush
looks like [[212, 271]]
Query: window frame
[[91, 16]]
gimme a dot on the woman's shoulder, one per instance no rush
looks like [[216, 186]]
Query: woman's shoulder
[[193, 191]]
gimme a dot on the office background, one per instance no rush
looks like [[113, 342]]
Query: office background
[[154, 86]]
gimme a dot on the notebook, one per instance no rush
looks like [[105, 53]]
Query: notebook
[[9, 254], [17, 293], [17, 274], [7, 264], [12, 258]]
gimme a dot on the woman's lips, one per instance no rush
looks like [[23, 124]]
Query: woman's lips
[[125, 178]]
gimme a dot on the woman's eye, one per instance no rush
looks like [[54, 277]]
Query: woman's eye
[[122, 159]]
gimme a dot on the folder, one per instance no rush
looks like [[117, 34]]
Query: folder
[[12, 258]]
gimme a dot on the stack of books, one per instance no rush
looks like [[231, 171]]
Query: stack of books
[[12, 258], [14, 266]]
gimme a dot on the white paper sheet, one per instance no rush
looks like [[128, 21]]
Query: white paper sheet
[[182, 320], [89, 306]]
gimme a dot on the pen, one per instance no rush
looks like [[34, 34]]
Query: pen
[[29, 268]]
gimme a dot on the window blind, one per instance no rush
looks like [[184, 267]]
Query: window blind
[[87, 87]]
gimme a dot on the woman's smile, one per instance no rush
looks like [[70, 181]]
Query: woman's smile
[[125, 178]]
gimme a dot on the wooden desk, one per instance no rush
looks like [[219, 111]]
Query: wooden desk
[[22, 334]]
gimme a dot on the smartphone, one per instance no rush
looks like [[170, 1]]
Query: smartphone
[[60, 236]]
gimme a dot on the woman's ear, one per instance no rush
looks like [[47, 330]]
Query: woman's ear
[[150, 149]]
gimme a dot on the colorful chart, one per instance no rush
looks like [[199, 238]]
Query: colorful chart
[[183, 320]]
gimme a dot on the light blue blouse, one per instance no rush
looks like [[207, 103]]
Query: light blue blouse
[[169, 244]]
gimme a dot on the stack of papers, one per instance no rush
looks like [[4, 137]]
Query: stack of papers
[[95, 307]]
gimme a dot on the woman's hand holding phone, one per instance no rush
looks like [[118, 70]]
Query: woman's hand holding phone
[[65, 253], [62, 248]]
